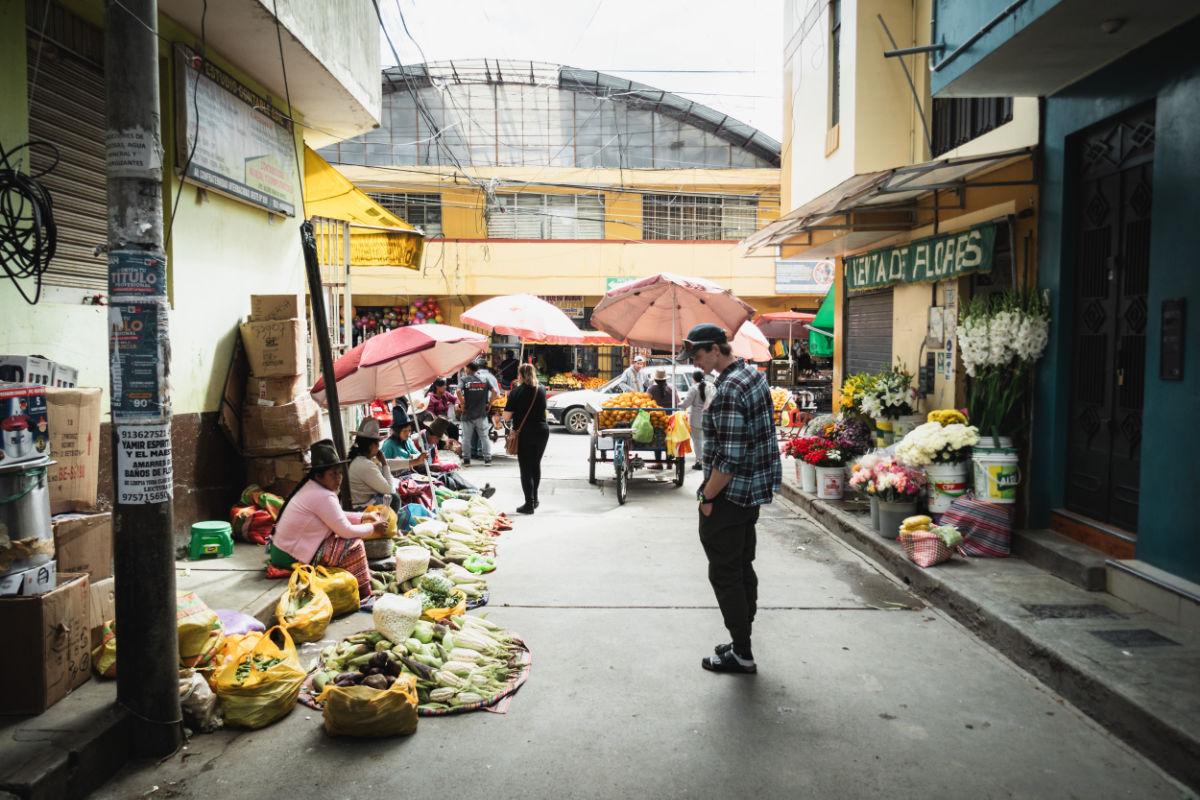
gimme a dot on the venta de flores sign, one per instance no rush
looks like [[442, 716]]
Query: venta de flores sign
[[937, 258]]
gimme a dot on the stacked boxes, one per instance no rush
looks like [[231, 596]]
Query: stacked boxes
[[279, 420]]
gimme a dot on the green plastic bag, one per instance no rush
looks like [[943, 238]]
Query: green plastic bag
[[479, 563], [643, 430]]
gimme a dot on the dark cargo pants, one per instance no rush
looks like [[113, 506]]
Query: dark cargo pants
[[728, 536]]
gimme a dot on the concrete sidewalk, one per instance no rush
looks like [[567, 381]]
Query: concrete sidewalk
[[1130, 670], [1146, 695]]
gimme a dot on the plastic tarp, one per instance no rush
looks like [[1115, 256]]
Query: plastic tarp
[[328, 193], [818, 343]]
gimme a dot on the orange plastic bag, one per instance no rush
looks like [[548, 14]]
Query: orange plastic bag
[[264, 690], [304, 608], [363, 711], [439, 614], [340, 585]]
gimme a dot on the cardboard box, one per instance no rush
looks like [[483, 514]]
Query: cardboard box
[[265, 307], [48, 645], [84, 543], [273, 391], [26, 369], [24, 428], [277, 430], [103, 608], [31, 581], [274, 348], [64, 377], [280, 474], [74, 417]]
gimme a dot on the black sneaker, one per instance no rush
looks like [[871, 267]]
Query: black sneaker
[[466, 462], [488, 490], [729, 661], [525, 509], [698, 466]]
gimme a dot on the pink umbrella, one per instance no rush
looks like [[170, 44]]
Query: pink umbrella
[[750, 344], [400, 361], [783, 324], [529, 318], [658, 311]]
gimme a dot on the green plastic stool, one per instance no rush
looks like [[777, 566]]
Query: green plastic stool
[[211, 538]]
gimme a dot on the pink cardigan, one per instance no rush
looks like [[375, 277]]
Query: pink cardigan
[[311, 514]]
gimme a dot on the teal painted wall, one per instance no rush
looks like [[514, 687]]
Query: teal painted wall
[[959, 20], [1166, 72]]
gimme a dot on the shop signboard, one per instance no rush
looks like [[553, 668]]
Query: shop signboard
[[233, 140], [612, 283], [934, 259], [569, 304], [803, 277]]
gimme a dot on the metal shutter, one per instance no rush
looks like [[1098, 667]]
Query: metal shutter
[[68, 111], [869, 332]]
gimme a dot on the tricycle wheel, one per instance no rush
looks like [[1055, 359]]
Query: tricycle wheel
[[622, 484], [592, 463]]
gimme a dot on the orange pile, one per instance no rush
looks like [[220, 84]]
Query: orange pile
[[630, 403]]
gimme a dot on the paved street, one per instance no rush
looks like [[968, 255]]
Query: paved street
[[862, 691]]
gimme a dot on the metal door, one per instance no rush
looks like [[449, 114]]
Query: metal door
[[1112, 275], [869, 332]]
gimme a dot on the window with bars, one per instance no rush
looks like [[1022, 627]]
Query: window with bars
[[835, 62], [422, 211], [546, 216], [958, 120], [697, 217]]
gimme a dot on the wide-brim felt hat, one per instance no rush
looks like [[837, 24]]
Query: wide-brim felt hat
[[370, 428], [323, 454]]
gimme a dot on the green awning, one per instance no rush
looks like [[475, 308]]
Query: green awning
[[821, 344]]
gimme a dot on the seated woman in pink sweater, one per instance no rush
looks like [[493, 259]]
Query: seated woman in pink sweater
[[312, 528]]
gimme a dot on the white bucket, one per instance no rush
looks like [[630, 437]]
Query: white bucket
[[997, 474], [905, 424], [831, 482], [946, 482], [808, 477], [994, 443]]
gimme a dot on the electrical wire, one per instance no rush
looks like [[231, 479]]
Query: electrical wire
[[28, 234], [196, 116]]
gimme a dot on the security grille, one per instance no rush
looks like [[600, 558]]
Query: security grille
[[422, 211], [695, 217]]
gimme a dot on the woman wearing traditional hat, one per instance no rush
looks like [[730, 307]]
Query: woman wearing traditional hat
[[313, 529], [370, 476]]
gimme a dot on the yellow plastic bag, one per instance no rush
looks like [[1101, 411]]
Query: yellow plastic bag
[[392, 528], [340, 585], [363, 711], [304, 608], [201, 634], [439, 614], [266, 689], [104, 657], [679, 434]]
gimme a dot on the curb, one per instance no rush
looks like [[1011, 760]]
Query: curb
[[1174, 750]]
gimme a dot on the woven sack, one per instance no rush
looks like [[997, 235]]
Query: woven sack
[[925, 548], [986, 527]]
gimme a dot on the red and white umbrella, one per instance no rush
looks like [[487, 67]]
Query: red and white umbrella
[[529, 318], [401, 361], [783, 324], [658, 311], [750, 344]]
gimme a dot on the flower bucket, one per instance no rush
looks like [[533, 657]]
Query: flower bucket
[[884, 432], [946, 482], [874, 512], [808, 477], [997, 474], [903, 426], [892, 515], [994, 442], [831, 482], [796, 461]]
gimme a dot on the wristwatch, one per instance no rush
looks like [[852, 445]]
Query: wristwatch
[[700, 496]]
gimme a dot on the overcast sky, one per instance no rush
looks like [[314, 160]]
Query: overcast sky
[[666, 44]]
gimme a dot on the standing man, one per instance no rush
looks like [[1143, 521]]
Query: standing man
[[475, 397], [741, 473], [507, 370], [631, 378]]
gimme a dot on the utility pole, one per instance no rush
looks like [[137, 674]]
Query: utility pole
[[139, 363]]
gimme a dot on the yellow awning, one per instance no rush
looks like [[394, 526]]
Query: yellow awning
[[378, 238]]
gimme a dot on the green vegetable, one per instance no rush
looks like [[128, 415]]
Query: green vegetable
[[423, 632]]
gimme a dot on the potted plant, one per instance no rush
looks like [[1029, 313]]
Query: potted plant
[[829, 462], [862, 480], [806, 474], [942, 447], [898, 488]]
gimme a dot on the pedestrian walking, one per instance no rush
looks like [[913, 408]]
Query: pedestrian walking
[[475, 397], [526, 408], [741, 473], [696, 403]]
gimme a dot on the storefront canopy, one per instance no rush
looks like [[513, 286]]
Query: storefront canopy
[[820, 334], [378, 238]]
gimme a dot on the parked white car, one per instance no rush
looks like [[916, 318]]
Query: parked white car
[[569, 409]]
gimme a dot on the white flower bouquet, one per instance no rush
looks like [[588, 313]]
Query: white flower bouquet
[[935, 443], [1000, 338], [890, 394]]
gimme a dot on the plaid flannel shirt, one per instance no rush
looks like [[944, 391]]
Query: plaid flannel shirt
[[739, 436]]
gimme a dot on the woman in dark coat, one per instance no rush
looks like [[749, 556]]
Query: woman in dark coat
[[526, 409]]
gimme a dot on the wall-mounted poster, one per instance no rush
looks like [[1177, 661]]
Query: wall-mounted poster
[[803, 277], [244, 146]]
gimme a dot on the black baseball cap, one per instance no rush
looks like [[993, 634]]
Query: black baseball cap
[[702, 335]]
